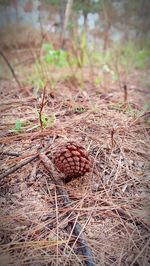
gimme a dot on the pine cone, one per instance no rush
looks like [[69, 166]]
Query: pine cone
[[72, 160]]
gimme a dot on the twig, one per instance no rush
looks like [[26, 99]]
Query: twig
[[16, 167], [22, 163], [54, 175], [24, 101], [77, 227], [84, 247], [42, 106], [125, 93], [112, 137], [10, 153], [11, 69]]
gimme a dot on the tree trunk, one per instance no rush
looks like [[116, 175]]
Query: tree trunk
[[66, 19], [62, 13]]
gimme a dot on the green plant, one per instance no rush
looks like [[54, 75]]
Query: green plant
[[53, 57], [97, 81], [37, 76], [79, 109], [83, 51], [131, 56], [127, 56], [47, 121], [101, 57], [19, 126]]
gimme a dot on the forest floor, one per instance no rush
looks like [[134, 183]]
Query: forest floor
[[111, 205]]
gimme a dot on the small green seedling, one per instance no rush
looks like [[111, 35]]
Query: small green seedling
[[97, 81], [19, 125], [79, 110], [47, 121]]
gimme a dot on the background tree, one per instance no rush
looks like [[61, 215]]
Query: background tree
[[66, 19]]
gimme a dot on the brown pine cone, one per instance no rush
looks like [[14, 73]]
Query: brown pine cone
[[72, 160]]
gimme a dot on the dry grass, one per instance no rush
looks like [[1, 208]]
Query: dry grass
[[111, 204], [23, 37]]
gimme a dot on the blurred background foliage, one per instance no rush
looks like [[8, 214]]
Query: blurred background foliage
[[104, 21], [107, 33]]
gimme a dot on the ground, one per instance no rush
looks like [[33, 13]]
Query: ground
[[111, 203]]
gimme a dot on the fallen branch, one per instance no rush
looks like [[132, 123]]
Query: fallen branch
[[15, 154], [77, 227], [11, 69], [16, 167], [22, 163]]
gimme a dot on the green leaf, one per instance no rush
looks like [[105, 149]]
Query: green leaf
[[79, 110], [97, 81], [18, 126], [55, 57]]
